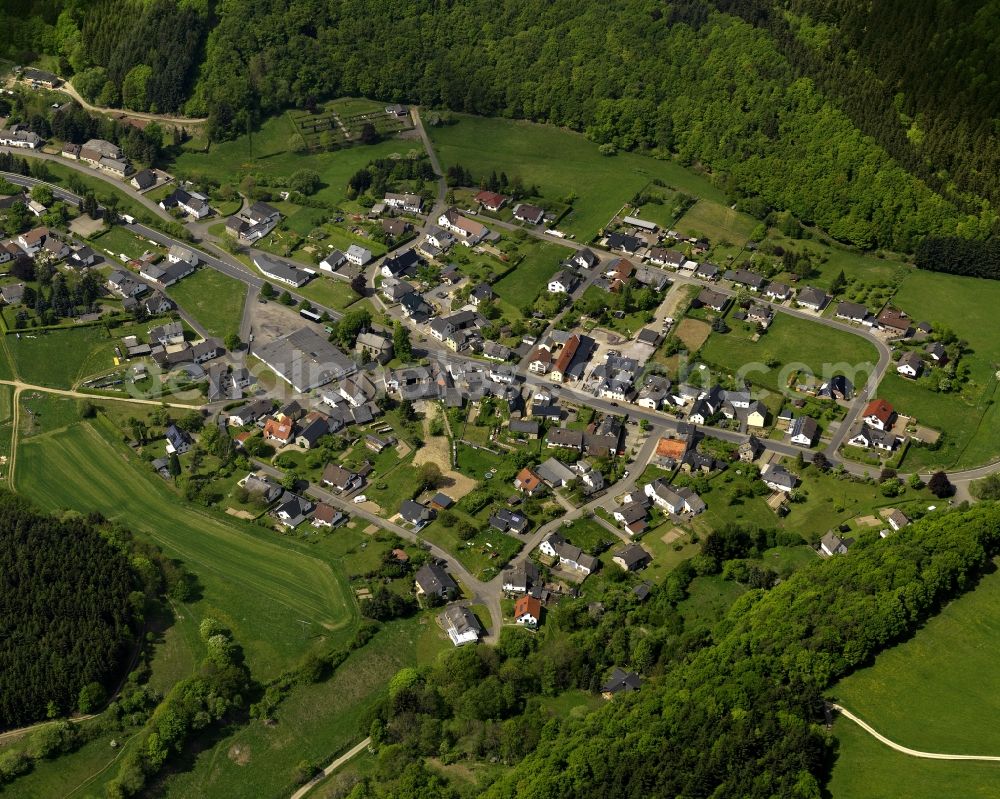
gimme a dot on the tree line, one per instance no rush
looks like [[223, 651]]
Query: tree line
[[672, 83]]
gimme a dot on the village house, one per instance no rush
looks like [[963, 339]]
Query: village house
[[527, 611], [910, 365], [620, 682], [253, 223], [632, 558], [716, 300], [570, 556], [529, 482], [461, 625], [519, 578], [812, 298], [895, 322], [21, 137], [680, 501], [804, 431], [778, 478], [832, 544], [531, 214], [327, 516], [411, 203], [469, 231], [879, 414], [432, 580], [178, 440], [490, 200]]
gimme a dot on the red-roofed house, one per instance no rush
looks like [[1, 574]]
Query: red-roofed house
[[879, 414], [527, 482], [528, 611], [282, 431], [490, 200], [565, 358]]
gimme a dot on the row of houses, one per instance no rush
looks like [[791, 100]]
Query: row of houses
[[100, 154]]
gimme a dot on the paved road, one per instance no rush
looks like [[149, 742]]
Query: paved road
[[905, 749], [360, 747], [478, 589], [84, 169]]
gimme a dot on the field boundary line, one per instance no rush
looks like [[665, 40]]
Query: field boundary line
[[905, 749]]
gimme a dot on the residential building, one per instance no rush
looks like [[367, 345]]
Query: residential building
[[21, 137], [292, 509], [519, 578], [570, 556], [469, 231], [632, 558], [812, 298], [461, 625], [178, 440], [874, 438], [490, 200], [716, 300], [620, 682], [411, 203], [528, 482], [531, 214], [832, 544], [910, 365], [416, 514], [778, 478], [527, 611], [280, 271], [804, 431], [433, 580], [879, 414], [327, 516]]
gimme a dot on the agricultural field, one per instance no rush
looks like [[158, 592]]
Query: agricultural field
[[936, 691], [56, 359], [215, 300], [279, 600], [273, 158], [563, 165], [867, 769], [971, 420], [790, 343]]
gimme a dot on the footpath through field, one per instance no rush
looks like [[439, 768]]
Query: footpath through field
[[906, 750]]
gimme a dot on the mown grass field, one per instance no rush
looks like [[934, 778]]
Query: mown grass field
[[215, 300], [561, 163], [55, 359], [867, 769], [279, 600], [789, 341], [541, 261], [966, 306], [314, 723], [272, 158], [117, 241], [939, 691], [716, 221]]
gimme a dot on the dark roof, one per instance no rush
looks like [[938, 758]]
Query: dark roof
[[433, 579], [622, 681]]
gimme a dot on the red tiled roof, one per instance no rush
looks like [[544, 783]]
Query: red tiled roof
[[527, 605], [567, 353], [880, 409]]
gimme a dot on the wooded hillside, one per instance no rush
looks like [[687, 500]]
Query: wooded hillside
[[677, 79], [66, 619]]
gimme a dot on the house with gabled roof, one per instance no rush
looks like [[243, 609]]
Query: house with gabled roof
[[527, 611], [879, 414], [461, 625], [432, 580]]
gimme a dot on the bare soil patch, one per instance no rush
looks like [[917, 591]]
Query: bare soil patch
[[694, 333], [239, 754]]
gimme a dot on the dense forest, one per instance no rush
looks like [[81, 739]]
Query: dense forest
[[779, 128], [737, 710], [69, 611]]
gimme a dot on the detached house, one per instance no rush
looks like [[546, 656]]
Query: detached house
[[804, 431], [555, 546], [632, 558], [433, 581], [778, 478], [461, 625], [490, 200], [879, 414], [469, 231], [531, 214], [812, 298], [178, 440], [874, 438], [910, 365], [527, 611]]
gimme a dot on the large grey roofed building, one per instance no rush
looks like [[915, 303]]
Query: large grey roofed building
[[305, 360]]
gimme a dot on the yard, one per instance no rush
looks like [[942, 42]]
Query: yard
[[790, 344], [521, 286], [279, 599], [215, 300], [562, 164], [717, 222], [118, 241], [937, 691]]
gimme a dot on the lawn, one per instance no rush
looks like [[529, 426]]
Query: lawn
[[966, 306], [792, 344], [213, 299], [541, 261], [562, 164], [717, 222], [939, 691], [102, 189], [279, 600], [267, 154], [117, 241], [867, 769], [314, 723], [56, 359]]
